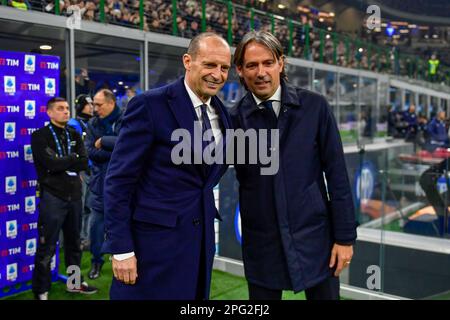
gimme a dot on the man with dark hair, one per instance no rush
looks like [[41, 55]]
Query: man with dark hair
[[159, 215], [103, 130], [59, 156], [297, 227]]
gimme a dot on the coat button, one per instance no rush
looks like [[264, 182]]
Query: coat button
[[196, 222]]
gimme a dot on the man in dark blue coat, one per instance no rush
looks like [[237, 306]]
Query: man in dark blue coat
[[297, 227], [159, 214], [102, 131]]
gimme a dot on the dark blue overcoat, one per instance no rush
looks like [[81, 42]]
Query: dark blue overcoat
[[289, 220], [156, 208]]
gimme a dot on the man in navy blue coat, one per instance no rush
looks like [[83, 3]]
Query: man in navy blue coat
[[159, 216], [297, 228]]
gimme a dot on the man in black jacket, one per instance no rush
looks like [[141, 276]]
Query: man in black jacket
[[59, 155]]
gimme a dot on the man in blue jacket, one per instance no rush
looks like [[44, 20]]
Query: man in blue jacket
[[437, 131], [159, 216], [297, 228], [103, 130]]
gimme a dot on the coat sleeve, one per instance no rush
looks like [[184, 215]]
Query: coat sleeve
[[96, 155], [47, 157], [81, 162], [338, 186], [108, 142], [127, 162]]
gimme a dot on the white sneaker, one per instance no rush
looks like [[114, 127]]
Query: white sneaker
[[42, 296]]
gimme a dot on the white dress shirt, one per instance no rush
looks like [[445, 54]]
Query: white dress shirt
[[276, 101], [213, 115], [214, 119]]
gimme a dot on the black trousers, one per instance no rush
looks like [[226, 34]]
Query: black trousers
[[326, 290], [55, 214]]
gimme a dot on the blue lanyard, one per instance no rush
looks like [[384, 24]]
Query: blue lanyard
[[58, 145]]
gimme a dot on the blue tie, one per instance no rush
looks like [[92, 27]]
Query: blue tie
[[206, 125], [268, 105]]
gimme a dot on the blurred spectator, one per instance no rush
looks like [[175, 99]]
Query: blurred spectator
[[437, 131], [130, 94], [84, 111], [20, 4], [410, 118]]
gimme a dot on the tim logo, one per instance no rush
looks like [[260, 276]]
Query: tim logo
[[9, 62], [30, 204], [30, 109], [11, 229], [10, 208], [9, 154], [29, 226], [31, 247], [10, 84], [27, 131], [14, 251], [30, 63], [49, 65], [11, 185], [11, 272], [10, 131], [50, 86], [28, 183], [28, 153], [30, 86], [28, 268], [9, 109]]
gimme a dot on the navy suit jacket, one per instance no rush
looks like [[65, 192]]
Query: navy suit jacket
[[290, 220], [161, 211]]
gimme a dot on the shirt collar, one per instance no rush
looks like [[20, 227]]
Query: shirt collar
[[276, 96], [196, 102]]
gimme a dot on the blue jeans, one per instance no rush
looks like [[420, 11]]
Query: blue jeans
[[97, 234]]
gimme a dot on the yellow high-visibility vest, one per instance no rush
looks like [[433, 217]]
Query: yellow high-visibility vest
[[433, 65]]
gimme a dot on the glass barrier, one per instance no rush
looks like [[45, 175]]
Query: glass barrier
[[349, 111], [107, 62], [325, 83], [368, 100]]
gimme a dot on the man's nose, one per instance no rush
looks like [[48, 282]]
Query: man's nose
[[261, 71]]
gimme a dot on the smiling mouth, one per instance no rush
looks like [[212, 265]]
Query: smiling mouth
[[212, 84]]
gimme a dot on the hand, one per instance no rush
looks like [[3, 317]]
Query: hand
[[342, 255], [125, 270], [98, 143]]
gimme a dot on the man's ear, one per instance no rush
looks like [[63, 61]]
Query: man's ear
[[239, 70], [187, 59]]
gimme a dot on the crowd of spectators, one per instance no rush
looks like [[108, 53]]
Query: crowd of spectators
[[158, 18]]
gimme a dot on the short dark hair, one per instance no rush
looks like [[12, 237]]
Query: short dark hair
[[54, 100], [266, 39], [108, 94], [194, 45]]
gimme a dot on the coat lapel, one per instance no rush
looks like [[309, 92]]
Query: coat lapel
[[183, 110], [290, 102]]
